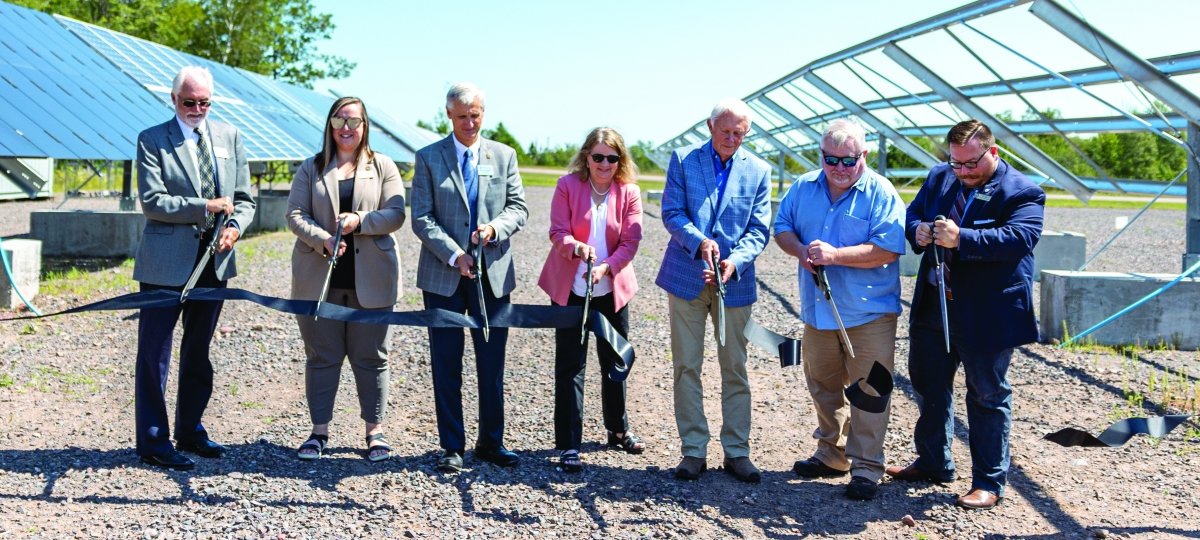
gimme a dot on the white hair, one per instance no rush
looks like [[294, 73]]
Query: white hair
[[464, 93], [196, 73], [842, 131], [732, 106]]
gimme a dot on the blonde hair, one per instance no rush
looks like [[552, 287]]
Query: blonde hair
[[627, 170]]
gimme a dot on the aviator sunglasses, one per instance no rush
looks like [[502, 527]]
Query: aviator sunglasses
[[338, 122], [600, 158], [189, 103], [846, 161]]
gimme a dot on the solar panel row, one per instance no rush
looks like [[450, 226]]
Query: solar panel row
[[73, 90]]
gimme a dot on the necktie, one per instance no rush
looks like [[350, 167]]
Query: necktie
[[471, 182], [956, 213], [208, 185]]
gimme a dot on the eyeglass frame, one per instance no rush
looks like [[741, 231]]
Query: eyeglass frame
[[353, 122], [598, 158], [189, 103], [956, 165], [825, 157]]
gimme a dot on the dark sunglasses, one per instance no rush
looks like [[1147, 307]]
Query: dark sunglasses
[[847, 161], [338, 122], [189, 103], [599, 158]]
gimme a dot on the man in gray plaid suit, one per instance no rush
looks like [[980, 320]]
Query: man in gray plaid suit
[[466, 190], [716, 204]]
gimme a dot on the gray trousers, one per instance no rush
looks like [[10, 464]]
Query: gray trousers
[[327, 343]]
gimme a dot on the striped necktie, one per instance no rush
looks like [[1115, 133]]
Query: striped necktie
[[956, 214], [208, 185]]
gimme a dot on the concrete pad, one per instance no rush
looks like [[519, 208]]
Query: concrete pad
[[25, 260], [87, 233], [1079, 300], [653, 194], [1056, 250], [270, 214]]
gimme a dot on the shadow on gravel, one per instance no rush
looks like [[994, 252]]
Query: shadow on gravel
[[1113, 532]]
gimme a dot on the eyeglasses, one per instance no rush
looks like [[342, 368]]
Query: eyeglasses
[[847, 161], [337, 122], [600, 158], [189, 103], [968, 164]]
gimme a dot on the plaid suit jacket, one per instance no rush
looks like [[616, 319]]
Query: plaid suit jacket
[[692, 213], [441, 219]]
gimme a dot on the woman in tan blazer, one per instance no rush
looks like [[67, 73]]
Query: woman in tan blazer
[[346, 182]]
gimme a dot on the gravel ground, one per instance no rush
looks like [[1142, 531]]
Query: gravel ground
[[67, 468]]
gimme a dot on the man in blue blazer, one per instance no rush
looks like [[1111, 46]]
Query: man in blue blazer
[[190, 170], [716, 204], [993, 221]]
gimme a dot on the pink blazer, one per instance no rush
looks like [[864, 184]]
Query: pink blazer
[[570, 225]]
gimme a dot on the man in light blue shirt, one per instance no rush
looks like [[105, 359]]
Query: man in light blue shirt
[[850, 220]]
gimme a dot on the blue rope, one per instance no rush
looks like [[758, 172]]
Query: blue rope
[[1133, 306], [12, 279]]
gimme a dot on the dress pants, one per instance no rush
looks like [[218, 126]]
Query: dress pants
[[156, 328], [570, 360], [989, 400], [848, 437], [328, 343], [446, 351], [688, 343]]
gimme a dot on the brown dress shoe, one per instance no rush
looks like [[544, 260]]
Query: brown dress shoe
[[743, 469], [690, 468], [979, 499], [912, 474]]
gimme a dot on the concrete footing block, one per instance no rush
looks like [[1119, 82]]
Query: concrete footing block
[[270, 214], [1072, 302], [25, 258], [87, 233]]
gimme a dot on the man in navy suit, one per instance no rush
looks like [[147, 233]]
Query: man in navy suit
[[716, 204], [190, 170], [993, 221]]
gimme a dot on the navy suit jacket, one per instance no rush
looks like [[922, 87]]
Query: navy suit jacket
[[992, 272], [738, 223]]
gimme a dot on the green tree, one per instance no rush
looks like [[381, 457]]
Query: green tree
[[440, 123], [640, 152], [501, 135], [276, 38]]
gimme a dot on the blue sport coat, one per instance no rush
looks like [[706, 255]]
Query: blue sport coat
[[691, 213], [992, 273]]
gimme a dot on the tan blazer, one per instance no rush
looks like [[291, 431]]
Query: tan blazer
[[312, 215]]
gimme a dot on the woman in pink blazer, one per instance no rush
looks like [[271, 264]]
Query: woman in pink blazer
[[596, 214]]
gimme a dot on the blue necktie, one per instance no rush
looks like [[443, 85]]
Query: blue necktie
[[471, 182]]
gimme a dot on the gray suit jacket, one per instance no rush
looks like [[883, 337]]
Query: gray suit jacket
[[169, 190], [441, 219], [313, 211]]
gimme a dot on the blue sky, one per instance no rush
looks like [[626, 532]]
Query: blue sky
[[553, 70]]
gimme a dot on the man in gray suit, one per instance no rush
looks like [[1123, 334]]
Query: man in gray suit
[[190, 171], [466, 190]]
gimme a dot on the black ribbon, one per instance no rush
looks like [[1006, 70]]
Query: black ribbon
[[503, 315], [788, 349], [1119, 433]]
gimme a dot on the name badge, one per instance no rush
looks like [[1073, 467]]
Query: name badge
[[487, 170], [221, 152], [982, 197]]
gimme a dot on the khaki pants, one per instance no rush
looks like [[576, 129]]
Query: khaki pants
[[847, 437], [687, 355], [327, 343]]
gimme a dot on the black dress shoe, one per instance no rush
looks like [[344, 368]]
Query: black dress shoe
[[813, 468], [171, 459], [497, 455], [912, 474], [861, 489], [450, 462], [203, 448]]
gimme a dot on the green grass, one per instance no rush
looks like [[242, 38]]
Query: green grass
[[83, 281], [6, 380], [909, 195]]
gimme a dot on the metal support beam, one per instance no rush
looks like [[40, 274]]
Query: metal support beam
[[127, 202], [25, 178], [1016, 143], [881, 163], [779, 145], [1192, 223], [792, 119], [1121, 59], [904, 143]]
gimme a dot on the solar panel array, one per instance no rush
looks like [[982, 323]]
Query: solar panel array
[[73, 90]]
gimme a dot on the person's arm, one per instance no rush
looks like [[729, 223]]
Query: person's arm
[[562, 242], [299, 217], [754, 238], [675, 214], [631, 231], [390, 214], [1014, 239], [425, 224], [515, 212]]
